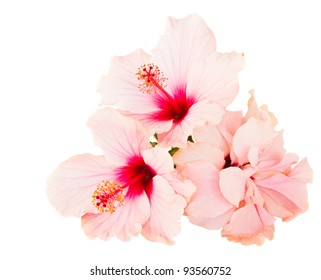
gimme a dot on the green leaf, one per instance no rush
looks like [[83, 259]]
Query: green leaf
[[190, 139], [173, 151]]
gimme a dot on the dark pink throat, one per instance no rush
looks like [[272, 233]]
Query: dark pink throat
[[137, 176], [173, 107]]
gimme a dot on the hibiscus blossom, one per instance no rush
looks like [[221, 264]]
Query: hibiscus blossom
[[126, 191], [249, 178], [182, 85]]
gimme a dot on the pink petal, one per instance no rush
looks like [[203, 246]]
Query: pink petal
[[249, 225], [159, 159], [211, 134], [302, 171], [71, 185], [212, 223], [216, 79], [254, 133], [154, 125], [282, 166], [200, 151], [253, 156], [220, 135], [272, 154], [245, 222], [292, 189], [286, 196], [184, 42], [166, 209], [232, 183], [127, 221], [266, 218], [119, 137], [182, 186], [177, 136], [207, 206], [253, 194], [120, 86], [198, 115], [261, 113], [203, 112], [230, 123], [278, 205]]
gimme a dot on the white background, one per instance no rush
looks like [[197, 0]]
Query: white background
[[52, 54]]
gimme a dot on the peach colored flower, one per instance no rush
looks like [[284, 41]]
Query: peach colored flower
[[249, 177], [182, 85], [127, 191]]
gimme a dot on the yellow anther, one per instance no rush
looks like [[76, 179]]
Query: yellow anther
[[108, 196], [151, 78]]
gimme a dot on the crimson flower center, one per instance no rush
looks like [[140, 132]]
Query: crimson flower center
[[173, 106], [137, 176], [132, 180]]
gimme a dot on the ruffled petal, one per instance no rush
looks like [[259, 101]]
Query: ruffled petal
[[159, 159], [211, 134], [121, 88], [261, 113], [230, 123], [278, 205], [250, 225], [184, 42], [200, 151], [302, 171], [221, 135], [166, 209], [289, 193], [181, 185], [119, 137], [216, 78], [254, 133], [283, 166], [177, 136], [253, 194], [71, 185], [212, 223], [126, 222], [245, 222], [253, 156], [207, 207], [285, 196], [272, 154], [232, 183]]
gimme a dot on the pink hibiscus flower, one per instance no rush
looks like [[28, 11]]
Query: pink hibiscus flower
[[249, 177], [182, 85], [127, 191]]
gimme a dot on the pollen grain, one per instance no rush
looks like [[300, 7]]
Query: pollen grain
[[151, 78], [108, 196]]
